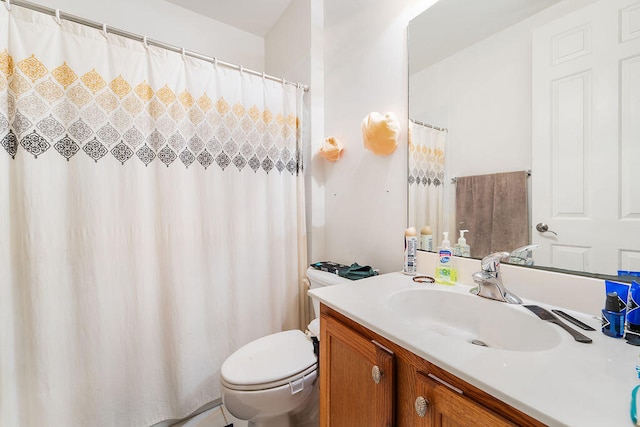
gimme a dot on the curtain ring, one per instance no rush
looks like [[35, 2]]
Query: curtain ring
[[7, 4], [104, 30], [57, 17], [215, 62], [145, 42], [264, 76], [184, 57], [241, 70], [283, 81]]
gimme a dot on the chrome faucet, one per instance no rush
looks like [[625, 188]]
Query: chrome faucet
[[523, 256], [489, 280]]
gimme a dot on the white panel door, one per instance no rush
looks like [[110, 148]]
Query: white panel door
[[586, 139]]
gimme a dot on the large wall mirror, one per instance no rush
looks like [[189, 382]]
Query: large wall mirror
[[525, 129]]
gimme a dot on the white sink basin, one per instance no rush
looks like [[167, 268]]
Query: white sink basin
[[474, 319]]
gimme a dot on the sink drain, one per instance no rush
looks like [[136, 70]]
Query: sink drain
[[478, 342]]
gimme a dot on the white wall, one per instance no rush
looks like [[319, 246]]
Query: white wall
[[356, 61], [365, 71], [316, 101], [293, 50], [288, 44], [168, 23]]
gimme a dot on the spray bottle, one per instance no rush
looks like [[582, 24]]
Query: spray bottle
[[410, 248]]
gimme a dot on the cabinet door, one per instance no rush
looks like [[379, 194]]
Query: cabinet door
[[448, 407], [356, 378]]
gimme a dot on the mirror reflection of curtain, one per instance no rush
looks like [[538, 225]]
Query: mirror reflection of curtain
[[426, 178]]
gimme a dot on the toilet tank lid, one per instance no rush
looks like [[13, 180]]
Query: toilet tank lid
[[323, 278], [269, 359]]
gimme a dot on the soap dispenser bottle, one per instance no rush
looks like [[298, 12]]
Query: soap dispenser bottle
[[461, 248], [445, 272]]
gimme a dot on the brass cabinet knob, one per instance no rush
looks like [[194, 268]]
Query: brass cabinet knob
[[421, 406], [376, 373]]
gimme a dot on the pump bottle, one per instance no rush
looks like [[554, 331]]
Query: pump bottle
[[445, 271], [461, 248]]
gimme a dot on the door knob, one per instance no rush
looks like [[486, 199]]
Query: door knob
[[542, 227]]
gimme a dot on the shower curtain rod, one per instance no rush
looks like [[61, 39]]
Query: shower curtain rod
[[58, 15], [418, 122], [455, 179]]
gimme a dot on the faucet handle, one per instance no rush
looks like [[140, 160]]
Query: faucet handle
[[491, 263]]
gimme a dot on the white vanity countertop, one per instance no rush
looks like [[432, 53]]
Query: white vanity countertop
[[572, 384]]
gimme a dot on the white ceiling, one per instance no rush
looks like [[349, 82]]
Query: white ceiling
[[446, 27], [451, 25], [254, 16]]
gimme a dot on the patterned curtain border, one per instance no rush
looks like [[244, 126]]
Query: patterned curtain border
[[42, 108], [426, 165]]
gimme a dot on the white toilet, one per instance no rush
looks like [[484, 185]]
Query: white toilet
[[272, 381]]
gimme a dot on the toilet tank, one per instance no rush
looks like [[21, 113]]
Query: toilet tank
[[319, 279]]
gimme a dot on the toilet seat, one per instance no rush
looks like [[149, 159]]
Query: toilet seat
[[269, 362]]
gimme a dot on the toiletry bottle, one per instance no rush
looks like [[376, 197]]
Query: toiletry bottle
[[461, 248], [613, 316], [426, 239], [445, 271], [633, 311], [410, 247]]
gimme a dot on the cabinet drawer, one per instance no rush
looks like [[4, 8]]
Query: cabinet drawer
[[446, 406]]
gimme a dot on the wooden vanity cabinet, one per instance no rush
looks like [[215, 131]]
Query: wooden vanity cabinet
[[408, 384], [356, 378]]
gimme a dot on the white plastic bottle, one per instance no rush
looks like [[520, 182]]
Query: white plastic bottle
[[410, 249], [426, 239], [461, 248]]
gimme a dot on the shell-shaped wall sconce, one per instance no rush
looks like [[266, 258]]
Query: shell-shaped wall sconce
[[380, 133], [331, 149]]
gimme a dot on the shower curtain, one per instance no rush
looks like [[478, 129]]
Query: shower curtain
[[151, 222], [426, 178]]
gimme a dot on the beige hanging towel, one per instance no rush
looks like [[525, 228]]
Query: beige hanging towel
[[494, 209]]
